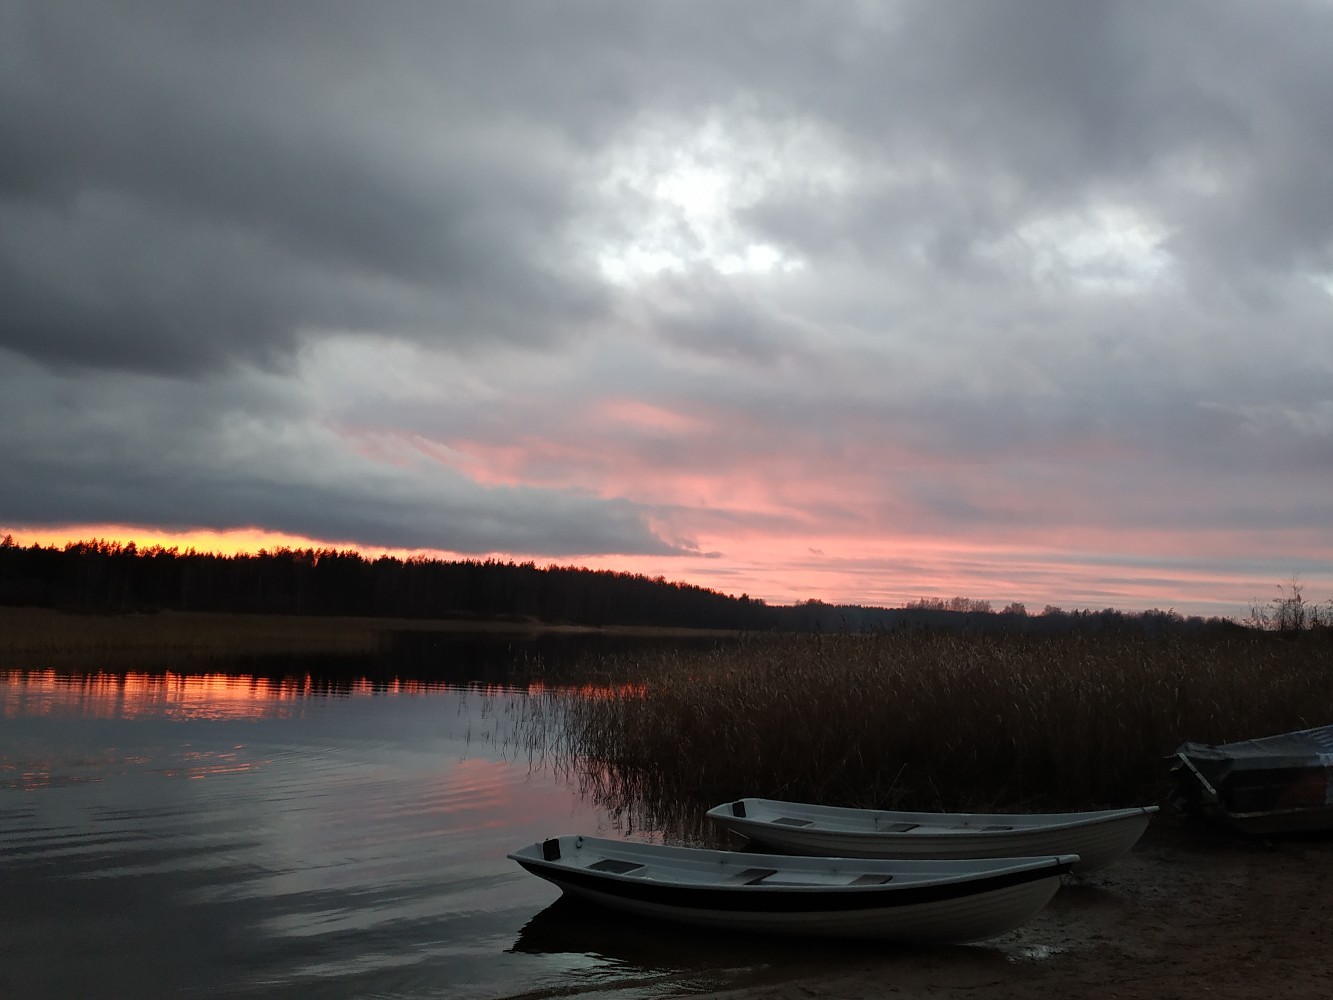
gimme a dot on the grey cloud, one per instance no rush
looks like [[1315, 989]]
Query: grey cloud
[[233, 453], [446, 151], [444, 514], [236, 167], [1208, 116]]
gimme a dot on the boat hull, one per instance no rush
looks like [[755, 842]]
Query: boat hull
[[1272, 823], [1267, 786], [808, 897], [956, 921], [1098, 838]]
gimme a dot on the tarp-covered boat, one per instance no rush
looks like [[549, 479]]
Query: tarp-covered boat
[[916, 901], [1098, 838], [1273, 784]]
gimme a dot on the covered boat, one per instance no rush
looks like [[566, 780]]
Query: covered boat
[[1098, 838], [1273, 784], [916, 901]]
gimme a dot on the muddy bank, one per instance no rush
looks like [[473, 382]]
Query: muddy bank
[[1189, 913]]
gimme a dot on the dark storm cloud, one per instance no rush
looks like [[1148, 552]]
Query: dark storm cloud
[[1211, 113], [224, 454], [364, 508], [192, 184]]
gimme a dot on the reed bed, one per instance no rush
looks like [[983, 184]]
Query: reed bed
[[928, 721]]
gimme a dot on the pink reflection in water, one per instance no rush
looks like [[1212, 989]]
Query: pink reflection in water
[[179, 696], [139, 695]]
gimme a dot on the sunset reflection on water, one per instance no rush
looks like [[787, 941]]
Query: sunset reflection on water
[[178, 696], [297, 835]]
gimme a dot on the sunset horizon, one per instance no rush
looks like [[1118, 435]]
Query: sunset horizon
[[1201, 596], [862, 303]]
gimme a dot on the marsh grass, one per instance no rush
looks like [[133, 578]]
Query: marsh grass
[[929, 721]]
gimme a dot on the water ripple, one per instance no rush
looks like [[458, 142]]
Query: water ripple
[[241, 840]]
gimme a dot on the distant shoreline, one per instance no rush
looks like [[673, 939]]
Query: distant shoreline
[[45, 638]]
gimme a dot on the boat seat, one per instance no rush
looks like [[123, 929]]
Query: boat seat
[[760, 876], [997, 828], [871, 879], [894, 827], [788, 821], [615, 866], [753, 876]]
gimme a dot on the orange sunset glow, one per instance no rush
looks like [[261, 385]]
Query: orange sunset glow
[[177, 696], [881, 572]]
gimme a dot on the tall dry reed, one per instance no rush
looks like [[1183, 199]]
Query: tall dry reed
[[933, 721]]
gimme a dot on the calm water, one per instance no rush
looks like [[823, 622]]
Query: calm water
[[242, 836], [235, 836]]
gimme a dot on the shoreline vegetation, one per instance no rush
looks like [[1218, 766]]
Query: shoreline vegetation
[[914, 719], [45, 638], [924, 721]]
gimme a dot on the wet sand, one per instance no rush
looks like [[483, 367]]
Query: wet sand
[[1189, 913]]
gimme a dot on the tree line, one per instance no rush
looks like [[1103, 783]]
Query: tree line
[[108, 576]]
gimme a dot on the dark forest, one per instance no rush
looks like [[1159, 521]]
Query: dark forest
[[110, 577]]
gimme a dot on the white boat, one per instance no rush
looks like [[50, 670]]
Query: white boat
[[917, 901], [1098, 838], [1270, 785]]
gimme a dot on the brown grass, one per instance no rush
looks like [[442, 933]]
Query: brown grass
[[934, 721]]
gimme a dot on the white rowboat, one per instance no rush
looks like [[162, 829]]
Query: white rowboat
[[917, 901], [1098, 838]]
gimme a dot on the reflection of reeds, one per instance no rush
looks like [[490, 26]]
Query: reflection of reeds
[[927, 721]]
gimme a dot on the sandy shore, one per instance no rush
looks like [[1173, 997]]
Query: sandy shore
[[1189, 913]]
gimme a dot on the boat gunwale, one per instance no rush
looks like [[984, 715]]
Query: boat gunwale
[[998, 874], [1028, 822]]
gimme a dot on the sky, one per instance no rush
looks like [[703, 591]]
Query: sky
[[1018, 300]]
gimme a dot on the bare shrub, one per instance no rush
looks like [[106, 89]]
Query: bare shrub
[[1289, 611]]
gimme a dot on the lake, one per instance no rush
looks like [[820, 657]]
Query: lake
[[245, 835], [288, 833]]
